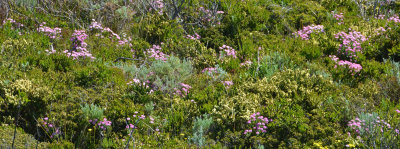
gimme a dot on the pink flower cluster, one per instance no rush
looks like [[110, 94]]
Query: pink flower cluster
[[209, 70], [158, 5], [138, 118], [51, 32], [193, 37], [125, 41], [227, 84], [79, 46], [183, 91], [154, 52], [209, 16], [10, 20], [308, 30], [395, 19], [381, 17], [130, 125], [49, 127], [351, 43], [381, 30], [257, 124], [359, 126], [136, 81], [101, 124], [95, 26], [13, 22], [229, 51], [145, 84], [354, 68], [246, 63], [339, 17]]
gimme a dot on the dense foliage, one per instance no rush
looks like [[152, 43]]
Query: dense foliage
[[200, 74]]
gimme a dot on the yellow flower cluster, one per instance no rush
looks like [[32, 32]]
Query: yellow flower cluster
[[32, 91], [292, 85]]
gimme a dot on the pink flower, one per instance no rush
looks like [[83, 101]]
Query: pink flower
[[246, 63], [130, 126], [155, 52], [51, 32], [227, 84], [307, 30], [229, 51], [185, 85], [79, 46]]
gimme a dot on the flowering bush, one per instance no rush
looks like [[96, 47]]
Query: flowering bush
[[100, 124], [96, 27], [228, 51], [50, 129], [183, 91], [350, 44], [305, 33], [257, 124], [246, 64], [215, 73], [157, 5], [395, 19], [53, 33], [227, 84], [193, 37], [339, 17], [373, 130], [210, 17], [353, 67], [154, 52], [148, 55], [79, 45], [15, 24]]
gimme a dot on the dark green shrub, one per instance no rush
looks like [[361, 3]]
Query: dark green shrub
[[22, 140], [97, 74], [274, 62]]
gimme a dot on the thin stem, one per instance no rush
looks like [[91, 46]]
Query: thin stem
[[15, 126]]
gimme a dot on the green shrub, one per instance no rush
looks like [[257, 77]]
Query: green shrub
[[294, 86], [373, 69], [23, 91], [200, 128], [22, 140], [274, 62], [311, 52], [92, 112], [164, 75], [97, 74]]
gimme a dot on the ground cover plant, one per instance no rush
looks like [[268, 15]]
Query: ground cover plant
[[199, 74]]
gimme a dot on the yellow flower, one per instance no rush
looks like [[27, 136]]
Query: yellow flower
[[319, 144], [350, 145], [89, 129], [182, 134]]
